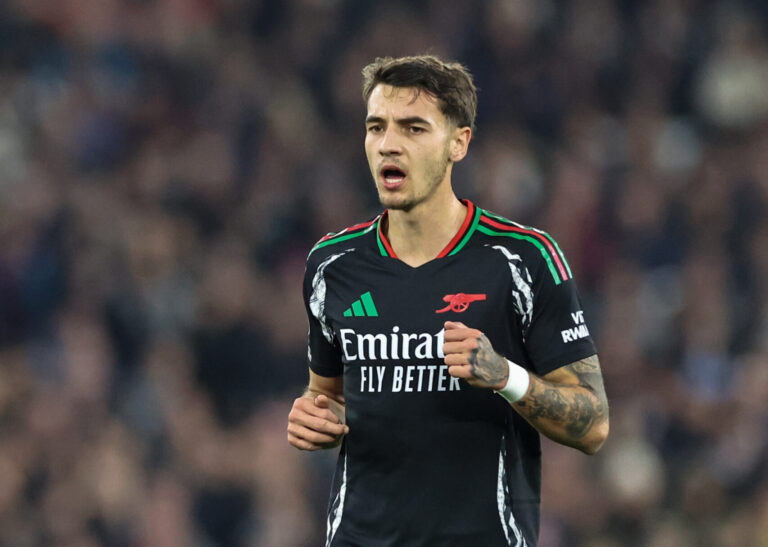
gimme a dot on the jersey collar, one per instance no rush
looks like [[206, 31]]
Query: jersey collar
[[454, 246]]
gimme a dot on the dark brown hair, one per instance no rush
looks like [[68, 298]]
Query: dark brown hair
[[449, 82]]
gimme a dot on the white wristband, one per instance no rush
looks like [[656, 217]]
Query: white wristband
[[517, 383]]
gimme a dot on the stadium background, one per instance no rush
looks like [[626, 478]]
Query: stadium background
[[166, 165]]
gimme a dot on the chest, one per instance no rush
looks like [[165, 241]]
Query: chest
[[384, 310]]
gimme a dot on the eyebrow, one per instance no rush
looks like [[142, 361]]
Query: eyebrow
[[410, 120]]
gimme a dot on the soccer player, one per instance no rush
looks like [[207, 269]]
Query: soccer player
[[443, 339]]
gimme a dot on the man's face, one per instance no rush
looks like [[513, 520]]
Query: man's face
[[408, 143]]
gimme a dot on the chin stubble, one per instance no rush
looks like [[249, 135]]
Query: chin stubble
[[435, 175]]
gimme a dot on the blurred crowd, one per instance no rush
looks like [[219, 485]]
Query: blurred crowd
[[166, 165]]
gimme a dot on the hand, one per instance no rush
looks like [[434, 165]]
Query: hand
[[316, 422], [470, 355]]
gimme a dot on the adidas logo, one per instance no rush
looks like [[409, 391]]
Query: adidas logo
[[362, 307]]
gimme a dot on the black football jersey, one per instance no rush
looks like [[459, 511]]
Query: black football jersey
[[429, 459]]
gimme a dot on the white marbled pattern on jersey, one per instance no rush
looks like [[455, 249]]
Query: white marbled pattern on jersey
[[336, 510], [522, 293], [317, 298], [511, 531]]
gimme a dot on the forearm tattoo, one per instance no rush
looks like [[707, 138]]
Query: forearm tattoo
[[486, 364], [576, 410]]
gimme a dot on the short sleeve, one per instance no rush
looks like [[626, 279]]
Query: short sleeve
[[558, 333], [323, 354]]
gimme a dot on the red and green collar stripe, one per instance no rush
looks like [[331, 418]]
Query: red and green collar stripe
[[454, 246], [476, 220], [494, 225], [346, 233]]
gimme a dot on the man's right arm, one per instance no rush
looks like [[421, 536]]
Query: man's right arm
[[317, 419]]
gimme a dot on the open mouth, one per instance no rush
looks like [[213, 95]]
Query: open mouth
[[392, 176]]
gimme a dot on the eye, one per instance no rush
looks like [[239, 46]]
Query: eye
[[375, 128], [416, 130]]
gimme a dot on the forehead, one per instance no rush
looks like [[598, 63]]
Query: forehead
[[389, 101]]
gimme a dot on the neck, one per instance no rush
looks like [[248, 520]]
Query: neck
[[420, 234]]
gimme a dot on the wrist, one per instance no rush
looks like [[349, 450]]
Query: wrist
[[517, 384]]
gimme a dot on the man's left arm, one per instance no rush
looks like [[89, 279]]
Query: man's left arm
[[568, 405]]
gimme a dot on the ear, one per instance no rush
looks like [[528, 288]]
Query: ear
[[460, 143]]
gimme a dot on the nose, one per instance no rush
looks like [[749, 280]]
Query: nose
[[390, 144]]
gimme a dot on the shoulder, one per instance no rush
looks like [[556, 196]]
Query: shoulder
[[335, 243], [532, 244]]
